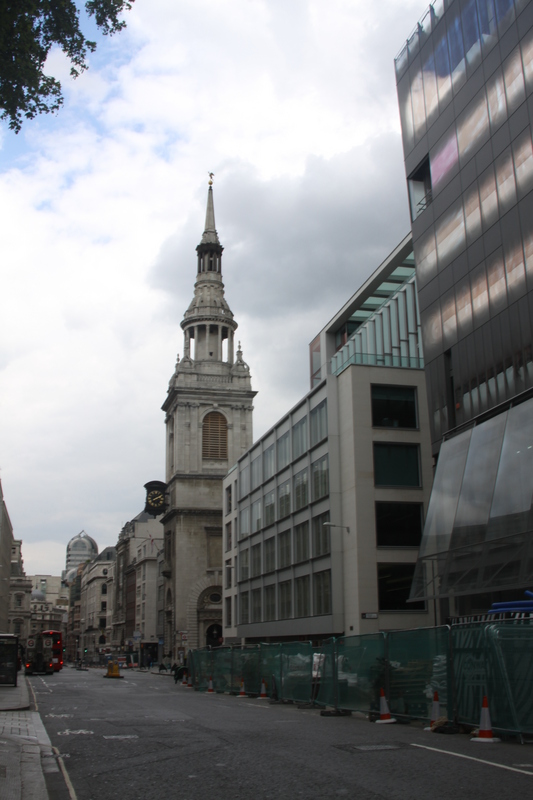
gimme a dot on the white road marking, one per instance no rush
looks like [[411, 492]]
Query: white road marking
[[472, 758], [124, 736], [59, 716], [75, 733], [66, 776]]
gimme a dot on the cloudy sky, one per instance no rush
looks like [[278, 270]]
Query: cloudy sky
[[292, 104]]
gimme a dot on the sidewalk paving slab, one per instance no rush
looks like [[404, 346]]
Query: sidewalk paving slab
[[25, 748]]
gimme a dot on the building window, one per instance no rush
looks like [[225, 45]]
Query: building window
[[244, 564], [398, 524], [394, 407], [256, 605], [256, 516], [284, 549], [419, 186], [270, 554], [284, 499], [269, 464], [228, 612], [256, 560], [315, 361], [319, 423], [103, 606], [285, 599], [394, 586], [301, 596], [228, 499], [320, 473], [270, 602], [18, 601], [284, 454], [256, 472], [244, 480], [322, 592], [244, 522], [244, 605], [396, 464], [270, 508], [299, 438], [17, 626], [102, 623], [228, 570], [300, 490], [228, 536], [215, 436], [301, 542], [104, 588], [321, 545]]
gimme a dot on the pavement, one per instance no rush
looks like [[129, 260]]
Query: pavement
[[25, 749]]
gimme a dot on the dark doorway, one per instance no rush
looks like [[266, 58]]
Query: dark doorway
[[213, 636]]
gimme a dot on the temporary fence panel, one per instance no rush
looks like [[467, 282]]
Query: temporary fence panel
[[324, 675], [359, 672], [221, 674], [270, 668], [296, 671], [204, 669], [246, 669], [511, 688], [419, 665]]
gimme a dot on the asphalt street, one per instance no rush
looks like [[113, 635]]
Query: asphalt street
[[143, 737]]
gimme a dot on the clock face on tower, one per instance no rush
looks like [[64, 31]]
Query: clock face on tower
[[155, 498]]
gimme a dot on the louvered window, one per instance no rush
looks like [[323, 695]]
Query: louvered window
[[215, 436]]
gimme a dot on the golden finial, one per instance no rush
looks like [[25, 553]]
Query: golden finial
[[211, 176]]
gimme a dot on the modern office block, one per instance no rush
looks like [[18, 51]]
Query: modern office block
[[323, 515], [465, 84]]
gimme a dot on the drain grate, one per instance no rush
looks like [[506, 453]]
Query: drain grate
[[369, 748]]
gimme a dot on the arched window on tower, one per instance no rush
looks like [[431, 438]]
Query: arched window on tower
[[215, 436]]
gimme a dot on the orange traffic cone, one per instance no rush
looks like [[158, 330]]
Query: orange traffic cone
[[263, 695], [242, 693], [435, 711], [210, 689], [485, 728], [189, 682], [384, 713], [184, 679]]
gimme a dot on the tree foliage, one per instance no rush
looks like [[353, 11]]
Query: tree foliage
[[28, 31]]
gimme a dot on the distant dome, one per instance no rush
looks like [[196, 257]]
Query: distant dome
[[38, 596]]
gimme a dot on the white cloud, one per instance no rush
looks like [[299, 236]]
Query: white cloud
[[293, 106]]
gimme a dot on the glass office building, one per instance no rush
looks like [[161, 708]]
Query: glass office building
[[465, 91]]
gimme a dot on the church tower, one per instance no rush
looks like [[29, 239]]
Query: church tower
[[208, 427]]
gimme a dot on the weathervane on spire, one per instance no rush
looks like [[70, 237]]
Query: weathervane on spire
[[211, 176]]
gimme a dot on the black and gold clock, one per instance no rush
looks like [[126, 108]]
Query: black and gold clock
[[155, 497]]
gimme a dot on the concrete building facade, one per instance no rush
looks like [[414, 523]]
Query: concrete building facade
[[208, 417], [323, 515], [20, 587]]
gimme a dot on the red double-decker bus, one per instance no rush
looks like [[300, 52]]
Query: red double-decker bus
[[57, 648]]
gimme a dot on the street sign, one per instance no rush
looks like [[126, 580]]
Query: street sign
[[136, 635]]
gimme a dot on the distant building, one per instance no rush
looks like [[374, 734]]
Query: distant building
[[93, 605], [6, 543], [131, 623], [20, 588], [208, 416], [80, 549], [465, 91], [323, 515]]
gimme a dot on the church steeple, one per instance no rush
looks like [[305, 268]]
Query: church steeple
[[208, 323]]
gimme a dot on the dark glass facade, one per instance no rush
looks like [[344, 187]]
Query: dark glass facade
[[465, 91]]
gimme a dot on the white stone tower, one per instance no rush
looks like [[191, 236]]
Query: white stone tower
[[209, 425]]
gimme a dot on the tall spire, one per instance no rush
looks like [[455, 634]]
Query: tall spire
[[210, 235]]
